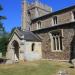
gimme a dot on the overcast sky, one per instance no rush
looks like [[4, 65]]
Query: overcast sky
[[12, 10]]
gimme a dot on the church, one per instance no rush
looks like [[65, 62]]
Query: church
[[44, 34]]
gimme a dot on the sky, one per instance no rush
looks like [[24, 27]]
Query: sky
[[12, 9]]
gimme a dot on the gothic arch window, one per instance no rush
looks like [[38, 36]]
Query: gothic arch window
[[55, 20], [56, 40], [33, 46], [38, 24], [74, 15]]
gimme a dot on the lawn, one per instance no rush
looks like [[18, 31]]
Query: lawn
[[36, 68]]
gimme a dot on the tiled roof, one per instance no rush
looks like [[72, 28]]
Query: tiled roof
[[28, 35]]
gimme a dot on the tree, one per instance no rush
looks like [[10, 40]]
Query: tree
[[1, 7], [3, 45], [3, 36], [1, 18]]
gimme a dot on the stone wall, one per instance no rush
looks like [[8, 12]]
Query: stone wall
[[44, 24], [36, 54], [65, 54], [64, 17], [25, 50], [68, 42], [10, 48]]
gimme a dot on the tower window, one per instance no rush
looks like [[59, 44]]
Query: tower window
[[55, 19], [56, 40], [33, 46], [29, 13]]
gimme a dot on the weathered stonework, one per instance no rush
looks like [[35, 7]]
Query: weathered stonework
[[43, 49], [44, 24], [24, 50], [38, 9], [67, 39], [62, 18]]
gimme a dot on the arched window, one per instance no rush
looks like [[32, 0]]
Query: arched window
[[55, 19], [38, 24], [74, 15], [33, 46], [56, 40]]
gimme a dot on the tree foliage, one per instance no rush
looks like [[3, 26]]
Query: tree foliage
[[3, 44], [1, 17], [3, 37], [1, 7]]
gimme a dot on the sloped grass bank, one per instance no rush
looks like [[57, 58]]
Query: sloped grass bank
[[36, 68]]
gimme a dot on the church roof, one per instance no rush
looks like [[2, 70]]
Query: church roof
[[30, 36], [27, 35]]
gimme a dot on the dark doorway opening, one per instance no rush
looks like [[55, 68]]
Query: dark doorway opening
[[16, 49]]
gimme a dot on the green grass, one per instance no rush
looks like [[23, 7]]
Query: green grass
[[36, 68]]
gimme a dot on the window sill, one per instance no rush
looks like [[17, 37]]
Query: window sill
[[54, 24], [56, 50], [73, 20]]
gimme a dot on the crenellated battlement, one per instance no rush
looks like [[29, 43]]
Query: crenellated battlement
[[38, 9], [41, 6]]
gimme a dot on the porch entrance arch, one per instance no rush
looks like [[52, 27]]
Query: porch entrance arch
[[15, 45]]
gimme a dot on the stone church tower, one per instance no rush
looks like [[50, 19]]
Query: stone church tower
[[25, 17], [31, 11]]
